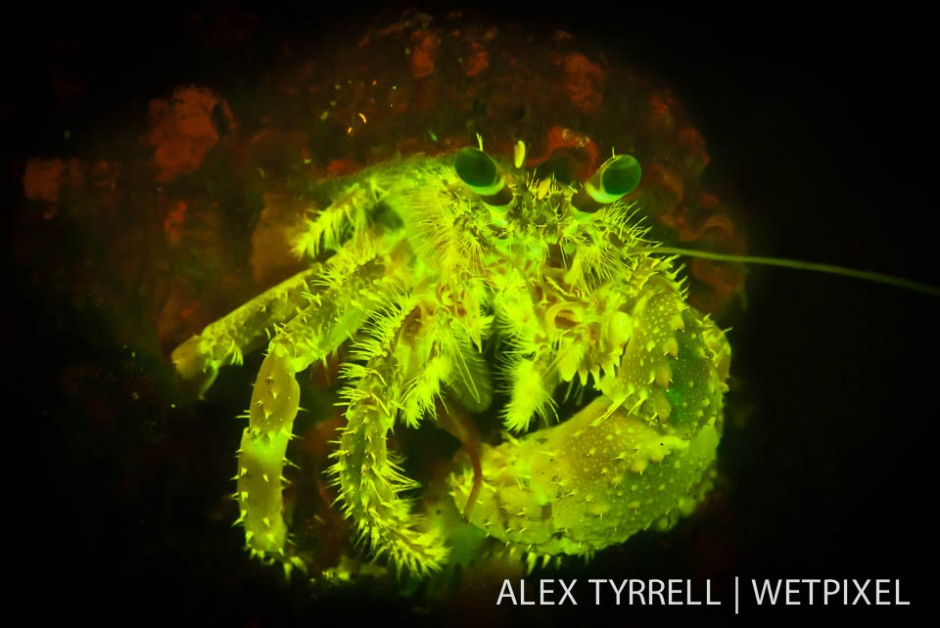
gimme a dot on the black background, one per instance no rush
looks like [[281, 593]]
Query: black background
[[820, 130]]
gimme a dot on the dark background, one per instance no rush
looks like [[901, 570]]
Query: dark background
[[821, 132]]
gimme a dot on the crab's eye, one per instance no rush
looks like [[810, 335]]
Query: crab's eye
[[616, 177], [619, 175], [481, 174], [478, 171]]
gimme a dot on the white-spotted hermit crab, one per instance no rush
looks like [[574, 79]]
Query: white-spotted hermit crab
[[462, 282]]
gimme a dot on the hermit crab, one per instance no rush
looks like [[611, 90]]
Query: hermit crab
[[460, 285]]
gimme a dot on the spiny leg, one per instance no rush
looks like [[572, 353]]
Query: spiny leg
[[225, 341], [532, 380], [315, 333], [274, 404], [370, 481], [351, 208], [439, 352], [528, 363]]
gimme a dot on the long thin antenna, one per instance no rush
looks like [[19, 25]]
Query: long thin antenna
[[891, 280]]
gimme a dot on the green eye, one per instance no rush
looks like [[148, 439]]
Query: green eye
[[478, 171], [616, 177], [620, 175]]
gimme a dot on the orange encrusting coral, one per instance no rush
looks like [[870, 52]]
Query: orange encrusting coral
[[584, 82], [183, 129], [559, 137], [424, 54], [477, 59], [44, 179]]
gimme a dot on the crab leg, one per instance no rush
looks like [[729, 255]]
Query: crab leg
[[332, 317], [530, 376], [416, 347], [225, 341], [369, 479]]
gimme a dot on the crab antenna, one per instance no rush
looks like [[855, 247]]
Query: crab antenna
[[481, 174], [831, 269], [616, 177]]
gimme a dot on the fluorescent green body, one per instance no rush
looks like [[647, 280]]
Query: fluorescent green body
[[422, 276]]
